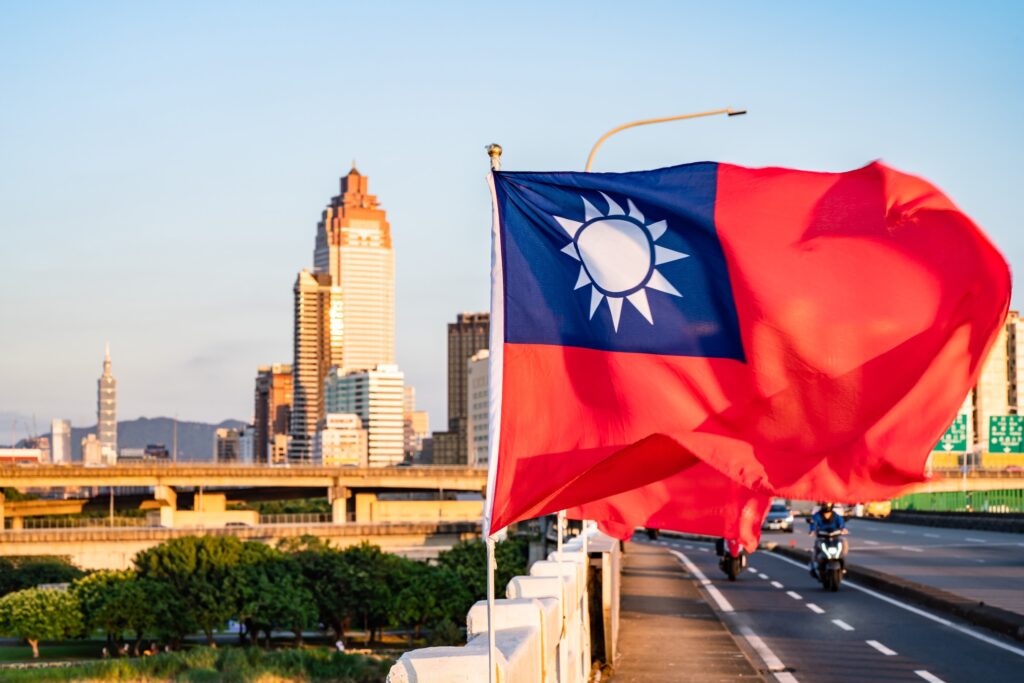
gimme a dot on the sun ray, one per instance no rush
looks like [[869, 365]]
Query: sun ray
[[583, 280], [640, 303], [595, 300], [657, 229], [613, 208], [590, 212], [663, 255], [633, 211], [615, 306], [570, 249], [571, 227], [659, 283]]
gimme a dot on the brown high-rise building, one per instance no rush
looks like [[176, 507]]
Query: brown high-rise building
[[273, 408], [468, 334], [318, 348]]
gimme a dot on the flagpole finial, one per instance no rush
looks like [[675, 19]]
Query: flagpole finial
[[494, 152]]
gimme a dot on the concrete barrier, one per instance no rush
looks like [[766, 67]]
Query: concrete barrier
[[542, 627]]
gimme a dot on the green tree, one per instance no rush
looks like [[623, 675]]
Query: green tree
[[118, 602], [18, 573], [328, 575], [431, 595], [375, 578], [271, 592], [40, 614], [468, 561], [195, 572]]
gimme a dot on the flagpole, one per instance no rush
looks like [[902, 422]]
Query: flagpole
[[664, 119], [494, 152]]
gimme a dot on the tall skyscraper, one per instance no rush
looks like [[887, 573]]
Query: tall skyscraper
[[341, 441], [60, 442], [468, 334], [376, 397], [318, 347], [353, 247], [274, 396], [106, 411], [226, 446], [416, 424]]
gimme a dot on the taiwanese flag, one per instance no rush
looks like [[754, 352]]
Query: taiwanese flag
[[673, 347]]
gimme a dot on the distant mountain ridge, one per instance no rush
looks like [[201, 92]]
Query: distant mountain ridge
[[195, 439]]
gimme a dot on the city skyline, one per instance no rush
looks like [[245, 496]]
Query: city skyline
[[196, 293]]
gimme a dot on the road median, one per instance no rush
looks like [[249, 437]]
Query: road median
[[978, 613]]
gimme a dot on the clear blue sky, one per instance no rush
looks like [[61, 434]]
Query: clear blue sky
[[163, 165]]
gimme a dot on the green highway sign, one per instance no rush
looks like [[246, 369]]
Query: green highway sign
[[1006, 434], [955, 438]]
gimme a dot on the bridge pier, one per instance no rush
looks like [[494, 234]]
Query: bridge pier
[[339, 495], [167, 497], [1, 509]]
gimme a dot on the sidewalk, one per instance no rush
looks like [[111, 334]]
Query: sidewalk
[[667, 632]]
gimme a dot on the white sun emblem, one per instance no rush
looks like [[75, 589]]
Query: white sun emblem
[[618, 257]]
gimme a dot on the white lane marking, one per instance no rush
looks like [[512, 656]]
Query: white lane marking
[[785, 677], [881, 648], [871, 542], [901, 533], [770, 659], [776, 584], [689, 547], [794, 595], [763, 576], [751, 569], [662, 543], [976, 540], [981, 561], [842, 624], [920, 612], [931, 678], [814, 608], [933, 536], [715, 594], [911, 548]]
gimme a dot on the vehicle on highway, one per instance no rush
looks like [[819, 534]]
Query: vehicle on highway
[[879, 509], [731, 558], [780, 517], [829, 552], [652, 533]]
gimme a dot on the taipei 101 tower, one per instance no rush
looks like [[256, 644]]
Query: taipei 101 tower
[[106, 412]]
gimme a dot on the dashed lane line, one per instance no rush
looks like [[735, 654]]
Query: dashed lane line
[[763, 576], [842, 624], [931, 678], [814, 608], [770, 659], [794, 595], [975, 540], [752, 570], [776, 584], [716, 595], [920, 612], [933, 536], [911, 548], [881, 648], [871, 542]]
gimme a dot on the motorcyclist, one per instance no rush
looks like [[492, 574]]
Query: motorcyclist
[[826, 519]]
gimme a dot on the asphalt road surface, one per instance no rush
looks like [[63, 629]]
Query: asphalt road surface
[[987, 566], [804, 634]]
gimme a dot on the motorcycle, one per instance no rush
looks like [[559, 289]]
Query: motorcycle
[[830, 562], [730, 560]]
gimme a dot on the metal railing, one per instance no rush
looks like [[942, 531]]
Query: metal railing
[[81, 523], [998, 501], [297, 518]]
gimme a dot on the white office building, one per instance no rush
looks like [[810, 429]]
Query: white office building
[[376, 396], [341, 441], [60, 442], [477, 423]]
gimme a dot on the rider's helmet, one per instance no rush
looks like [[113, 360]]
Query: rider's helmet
[[826, 508]]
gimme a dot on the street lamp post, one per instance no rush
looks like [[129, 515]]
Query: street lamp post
[[665, 119]]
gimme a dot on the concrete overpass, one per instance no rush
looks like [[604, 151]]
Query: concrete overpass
[[344, 487], [115, 548]]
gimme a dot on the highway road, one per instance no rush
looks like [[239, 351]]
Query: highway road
[[804, 634], [987, 566]]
